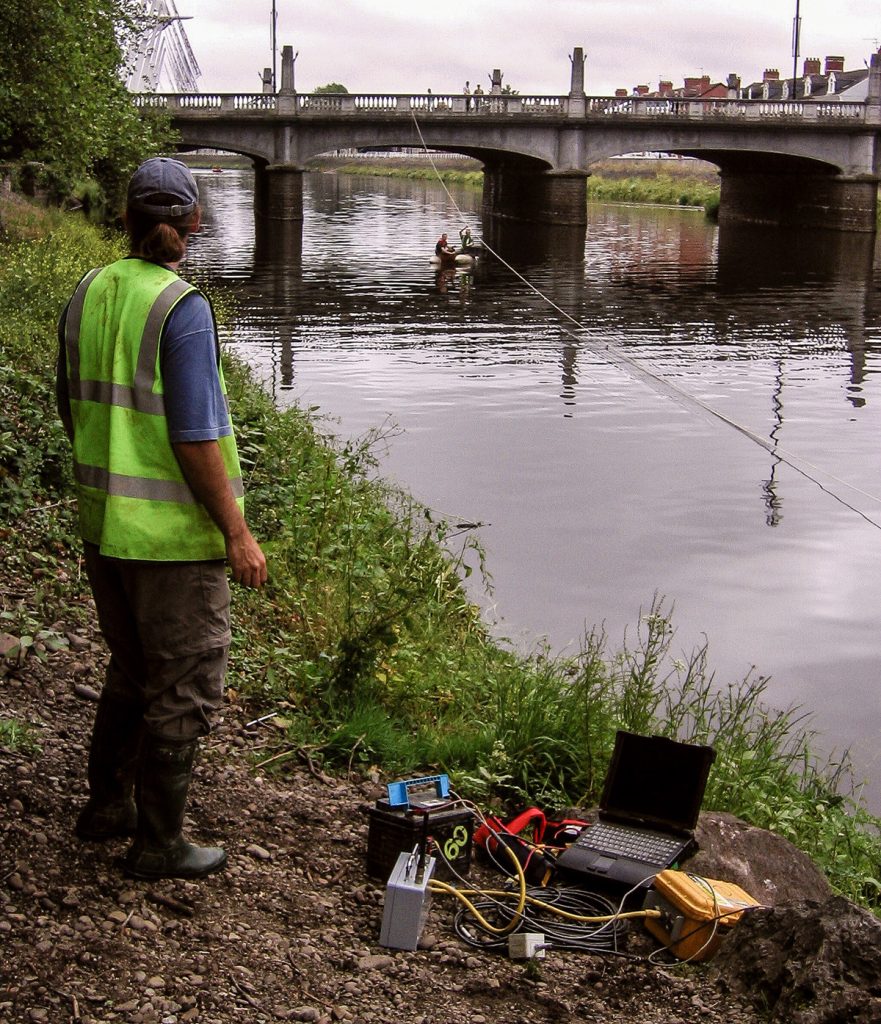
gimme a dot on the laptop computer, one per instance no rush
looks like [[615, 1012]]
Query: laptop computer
[[651, 799]]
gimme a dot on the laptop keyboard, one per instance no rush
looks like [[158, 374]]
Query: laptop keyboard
[[627, 842]]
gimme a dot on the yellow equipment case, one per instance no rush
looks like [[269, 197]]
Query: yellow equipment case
[[695, 912]]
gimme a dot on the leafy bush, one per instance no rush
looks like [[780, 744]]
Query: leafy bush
[[63, 102]]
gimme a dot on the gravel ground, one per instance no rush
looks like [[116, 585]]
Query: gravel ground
[[289, 932]]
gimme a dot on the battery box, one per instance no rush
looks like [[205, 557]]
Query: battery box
[[398, 829], [696, 912]]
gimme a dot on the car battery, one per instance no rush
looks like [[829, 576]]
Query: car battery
[[696, 913], [408, 818]]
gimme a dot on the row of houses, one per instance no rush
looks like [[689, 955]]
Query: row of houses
[[818, 81]]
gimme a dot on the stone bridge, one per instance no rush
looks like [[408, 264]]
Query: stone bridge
[[810, 163]]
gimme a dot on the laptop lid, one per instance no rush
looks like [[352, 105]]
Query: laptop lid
[[654, 782]]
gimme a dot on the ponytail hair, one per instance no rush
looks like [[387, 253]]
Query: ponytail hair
[[162, 240]]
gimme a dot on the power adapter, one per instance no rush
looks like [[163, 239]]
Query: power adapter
[[526, 945]]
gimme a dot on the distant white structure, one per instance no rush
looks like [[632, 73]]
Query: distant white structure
[[160, 59]]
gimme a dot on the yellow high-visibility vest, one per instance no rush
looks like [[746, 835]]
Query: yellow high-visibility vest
[[133, 499]]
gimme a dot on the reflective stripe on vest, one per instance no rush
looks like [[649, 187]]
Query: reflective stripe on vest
[[133, 499]]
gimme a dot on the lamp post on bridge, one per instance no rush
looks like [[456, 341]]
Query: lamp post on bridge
[[272, 27], [796, 34]]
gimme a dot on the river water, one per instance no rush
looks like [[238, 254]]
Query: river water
[[645, 452]]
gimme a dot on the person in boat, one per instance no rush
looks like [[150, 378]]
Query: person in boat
[[465, 238], [443, 251]]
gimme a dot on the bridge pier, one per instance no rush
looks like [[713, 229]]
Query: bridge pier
[[788, 200], [278, 192], [545, 197]]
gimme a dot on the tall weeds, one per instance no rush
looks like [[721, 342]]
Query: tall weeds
[[663, 189]]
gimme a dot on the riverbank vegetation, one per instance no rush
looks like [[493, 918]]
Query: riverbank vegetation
[[665, 182], [460, 171], [365, 646]]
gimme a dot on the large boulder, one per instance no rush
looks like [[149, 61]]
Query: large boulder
[[805, 957], [768, 867], [809, 963]]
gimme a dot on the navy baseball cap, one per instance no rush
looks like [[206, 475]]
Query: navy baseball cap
[[163, 187]]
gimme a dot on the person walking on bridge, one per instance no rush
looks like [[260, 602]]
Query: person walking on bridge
[[159, 492]]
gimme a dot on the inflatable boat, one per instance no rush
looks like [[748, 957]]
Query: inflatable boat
[[459, 259]]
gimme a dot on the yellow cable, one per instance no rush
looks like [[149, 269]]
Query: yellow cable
[[437, 886], [462, 895]]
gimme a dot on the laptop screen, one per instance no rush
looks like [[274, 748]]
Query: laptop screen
[[656, 782]]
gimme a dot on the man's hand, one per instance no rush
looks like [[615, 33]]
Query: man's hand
[[202, 465], [246, 560]]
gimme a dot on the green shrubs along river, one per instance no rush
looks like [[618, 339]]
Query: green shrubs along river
[[665, 182], [365, 643]]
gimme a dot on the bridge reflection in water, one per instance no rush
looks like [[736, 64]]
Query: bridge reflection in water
[[743, 260], [600, 490]]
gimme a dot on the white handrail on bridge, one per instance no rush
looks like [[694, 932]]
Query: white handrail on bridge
[[596, 108]]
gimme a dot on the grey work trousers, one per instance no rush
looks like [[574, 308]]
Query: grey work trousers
[[167, 627]]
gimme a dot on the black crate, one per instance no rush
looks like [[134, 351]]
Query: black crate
[[397, 830]]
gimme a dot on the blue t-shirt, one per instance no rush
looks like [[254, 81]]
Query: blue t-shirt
[[195, 407]]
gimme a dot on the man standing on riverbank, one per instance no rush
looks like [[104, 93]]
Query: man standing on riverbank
[[159, 492]]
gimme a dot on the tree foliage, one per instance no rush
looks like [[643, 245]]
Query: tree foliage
[[62, 98], [330, 87]]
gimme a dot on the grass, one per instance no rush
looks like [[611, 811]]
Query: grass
[[423, 172], [365, 643], [18, 736], [656, 182], [663, 190]]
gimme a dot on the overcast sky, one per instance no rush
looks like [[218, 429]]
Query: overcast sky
[[410, 45]]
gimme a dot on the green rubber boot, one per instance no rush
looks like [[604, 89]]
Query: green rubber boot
[[159, 850]]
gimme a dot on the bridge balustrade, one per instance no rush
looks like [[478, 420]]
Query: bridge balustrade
[[842, 111], [255, 101], [437, 103], [778, 109], [488, 105], [200, 101], [380, 102]]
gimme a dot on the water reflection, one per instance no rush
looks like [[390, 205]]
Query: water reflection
[[838, 265], [278, 246], [751, 257], [773, 501], [528, 245], [602, 490]]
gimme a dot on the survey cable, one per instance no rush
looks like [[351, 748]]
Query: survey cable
[[568, 917]]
